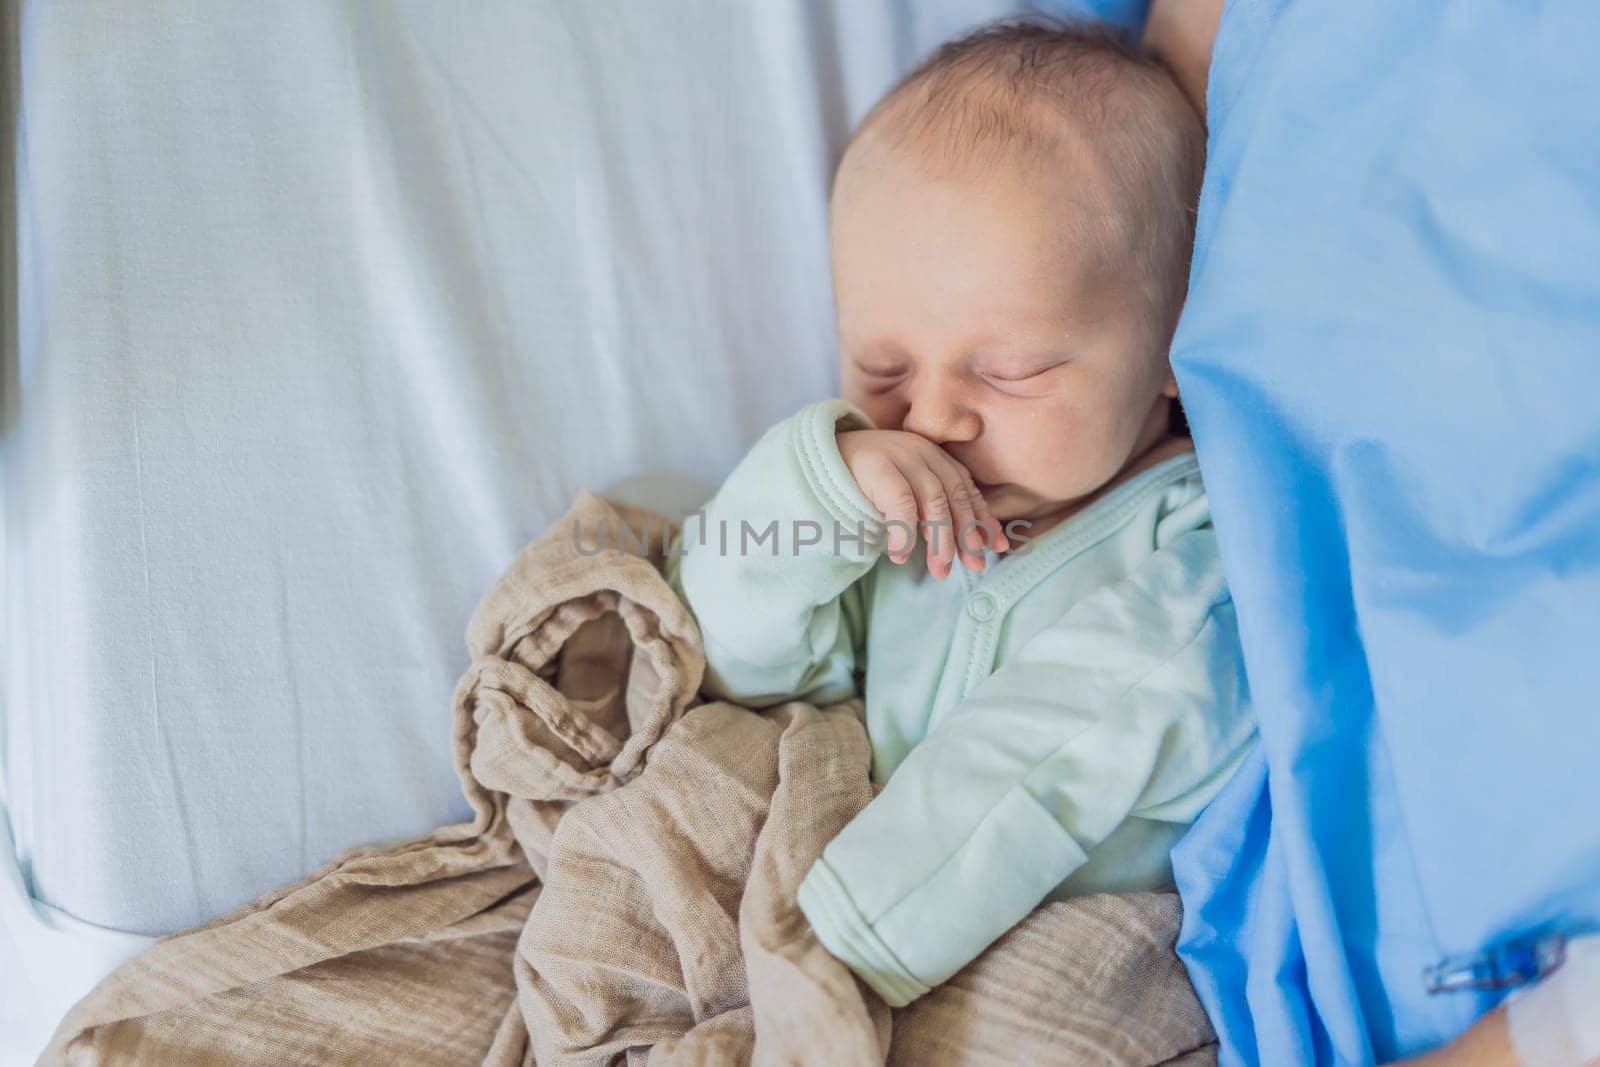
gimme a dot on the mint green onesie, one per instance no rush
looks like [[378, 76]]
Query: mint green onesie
[[1044, 728]]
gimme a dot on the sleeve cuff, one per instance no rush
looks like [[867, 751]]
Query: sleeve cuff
[[935, 902], [845, 933], [816, 430]]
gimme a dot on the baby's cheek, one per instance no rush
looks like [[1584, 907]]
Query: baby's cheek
[[1036, 447], [886, 412], [1065, 451], [1057, 430]]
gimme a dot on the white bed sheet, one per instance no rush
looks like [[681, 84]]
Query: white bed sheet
[[321, 310]]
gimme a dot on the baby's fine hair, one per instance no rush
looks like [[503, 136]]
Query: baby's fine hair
[[1013, 90]]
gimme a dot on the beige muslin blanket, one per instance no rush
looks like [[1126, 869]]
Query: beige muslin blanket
[[625, 890]]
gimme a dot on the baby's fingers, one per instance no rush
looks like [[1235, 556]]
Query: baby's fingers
[[965, 536], [888, 490], [898, 502], [972, 515], [985, 517], [937, 515]]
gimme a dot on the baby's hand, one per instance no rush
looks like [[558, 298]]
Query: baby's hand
[[912, 480]]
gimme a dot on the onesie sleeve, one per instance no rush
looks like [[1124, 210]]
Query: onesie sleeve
[[770, 566], [1133, 703]]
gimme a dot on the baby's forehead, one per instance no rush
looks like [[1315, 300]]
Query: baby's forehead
[[1069, 181], [1080, 133], [1080, 115], [1017, 262]]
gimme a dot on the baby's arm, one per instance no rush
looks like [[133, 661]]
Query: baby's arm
[[782, 619], [1133, 703]]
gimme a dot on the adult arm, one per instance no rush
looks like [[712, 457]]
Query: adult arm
[[1180, 33]]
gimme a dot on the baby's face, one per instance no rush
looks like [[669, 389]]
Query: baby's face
[[971, 315]]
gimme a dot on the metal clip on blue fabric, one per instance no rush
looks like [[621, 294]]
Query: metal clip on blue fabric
[[1502, 966]]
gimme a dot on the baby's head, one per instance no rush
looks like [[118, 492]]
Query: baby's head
[[1011, 228]]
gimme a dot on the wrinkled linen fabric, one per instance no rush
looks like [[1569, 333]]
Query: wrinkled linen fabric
[[625, 888]]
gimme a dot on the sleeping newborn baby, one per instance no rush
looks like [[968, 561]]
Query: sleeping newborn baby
[[997, 534]]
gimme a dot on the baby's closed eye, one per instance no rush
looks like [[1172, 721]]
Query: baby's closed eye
[[1022, 375], [881, 376]]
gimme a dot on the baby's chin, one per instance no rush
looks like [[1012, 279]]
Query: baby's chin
[[1014, 499], [1008, 501], [1004, 499]]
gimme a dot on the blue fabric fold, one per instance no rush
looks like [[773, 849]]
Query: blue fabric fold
[[1387, 359]]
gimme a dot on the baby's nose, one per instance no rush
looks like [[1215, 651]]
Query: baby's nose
[[942, 417]]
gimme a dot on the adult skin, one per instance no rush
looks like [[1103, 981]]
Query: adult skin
[[1180, 33]]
